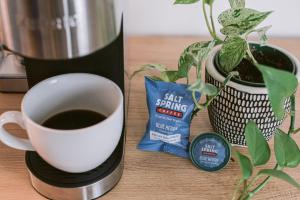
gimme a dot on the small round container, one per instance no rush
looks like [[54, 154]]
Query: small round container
[[210, 152]]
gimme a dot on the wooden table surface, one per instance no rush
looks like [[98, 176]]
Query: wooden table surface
[[149, 176]]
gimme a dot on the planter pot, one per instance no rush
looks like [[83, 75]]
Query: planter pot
[[242, 101]]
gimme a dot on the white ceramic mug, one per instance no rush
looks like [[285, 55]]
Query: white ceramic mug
[[76, 150]]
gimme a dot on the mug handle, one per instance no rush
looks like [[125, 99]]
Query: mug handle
[[9, 139]]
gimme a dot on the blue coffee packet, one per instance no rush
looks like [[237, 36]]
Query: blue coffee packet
[[170, 107]]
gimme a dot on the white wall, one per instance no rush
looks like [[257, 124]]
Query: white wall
[[161, 17]]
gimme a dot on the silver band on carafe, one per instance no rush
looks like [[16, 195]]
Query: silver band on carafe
[[59, 29]]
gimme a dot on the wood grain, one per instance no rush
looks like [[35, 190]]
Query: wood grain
[[150, 176]]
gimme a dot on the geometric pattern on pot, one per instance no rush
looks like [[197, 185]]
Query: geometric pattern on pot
[[232, 109], [237, 104]]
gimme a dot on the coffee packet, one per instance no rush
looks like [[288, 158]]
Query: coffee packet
[[170, 107]]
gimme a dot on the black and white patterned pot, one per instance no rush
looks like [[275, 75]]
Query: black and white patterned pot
[[240, 102]]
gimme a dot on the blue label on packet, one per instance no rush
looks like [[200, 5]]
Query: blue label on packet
[[170, 107]]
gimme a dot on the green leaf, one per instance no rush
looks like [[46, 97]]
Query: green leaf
[[258, 147], [237, 3], [262, 34], [230, 76], [149, 67], [279, 174], [186, 61], [169, 76], [245, 165], [232, 53], [281, 85], [165, 74], [194, 55], [186, 1], [210, 90], [203, 88], [239, 21], [286, 150], [197, 86]]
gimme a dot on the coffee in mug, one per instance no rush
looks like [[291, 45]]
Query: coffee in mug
[[74, 119], [76, 145]]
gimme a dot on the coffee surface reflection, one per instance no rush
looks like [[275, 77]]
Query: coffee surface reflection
[[74, 119]]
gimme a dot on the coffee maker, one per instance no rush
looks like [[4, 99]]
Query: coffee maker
[[52, 37]]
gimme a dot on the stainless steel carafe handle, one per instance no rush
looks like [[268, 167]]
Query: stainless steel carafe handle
[[59, 29]]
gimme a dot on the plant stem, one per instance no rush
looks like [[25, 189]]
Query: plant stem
[[249, 53], [258, 188], [245, 187], [200, 107], [211, 27], [296, 131], [245, 190], [198, 71], [236, 189], [212, 19], [187, 80], [206, 20], [249, 195], [252, 181]]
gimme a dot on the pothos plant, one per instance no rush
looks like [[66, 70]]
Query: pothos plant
[[238, 23]]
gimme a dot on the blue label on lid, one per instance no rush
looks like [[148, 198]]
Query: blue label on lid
[[210, 152]]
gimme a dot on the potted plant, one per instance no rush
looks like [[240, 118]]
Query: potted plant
[[250, 89], [253, 94]]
